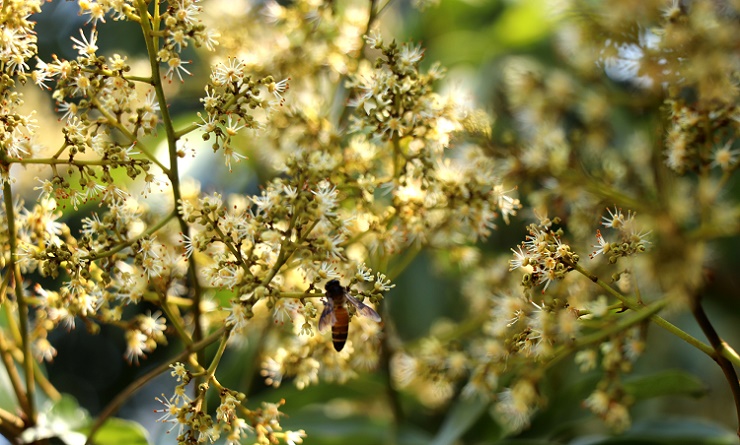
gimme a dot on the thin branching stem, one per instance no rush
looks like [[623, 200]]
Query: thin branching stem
[[176, 321], [150, 29], [15, 379], [108, 252], [131, 389], [623, 324], [719, 346], [29, 408], [663, 323], [211, 371]]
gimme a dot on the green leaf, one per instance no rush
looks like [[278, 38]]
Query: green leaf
[[65, 421], [673, 431], [683, 431], [670, 382], [121, 432], [68, 411], [462, 415], [58, 422]]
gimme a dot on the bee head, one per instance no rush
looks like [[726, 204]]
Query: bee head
[[334, 287]]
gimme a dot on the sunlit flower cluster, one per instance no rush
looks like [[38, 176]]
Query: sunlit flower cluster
[[543, 255], [230, 101], [359, 164], [18, 43], [631, 241], [524, 330], [233, 421]]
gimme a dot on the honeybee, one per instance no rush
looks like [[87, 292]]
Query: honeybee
[[335, 313]]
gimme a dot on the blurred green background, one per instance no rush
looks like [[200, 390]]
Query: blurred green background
[[471, 38]]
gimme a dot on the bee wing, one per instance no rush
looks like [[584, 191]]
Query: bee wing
[[327, 316], [362, 308]]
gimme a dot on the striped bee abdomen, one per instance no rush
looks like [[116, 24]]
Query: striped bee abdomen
[[340, 328]]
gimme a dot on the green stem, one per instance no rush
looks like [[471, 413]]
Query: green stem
[[663, 323], [116, 403], [284, 255], [22, 305], [151, 230], [175, 319], [299, 295], [248, 378], [57, 161], [15, 379], [183, 131], [227, 242], [12, 325], [139, 79], [112, 121], [45, 384], [382, 8], [624, 323], [394, 400], [219, 353], [397, 155]]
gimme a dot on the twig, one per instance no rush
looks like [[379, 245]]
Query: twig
[[22, 307], [660, 321], [719, 346], [116, 403]]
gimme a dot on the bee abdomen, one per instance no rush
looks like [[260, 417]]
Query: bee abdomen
[[340, 328]]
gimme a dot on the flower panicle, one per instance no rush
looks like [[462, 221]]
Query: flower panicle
[[543, 255], [631, 241]]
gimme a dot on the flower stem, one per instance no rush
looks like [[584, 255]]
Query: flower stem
[[150, 28], [29, 408], [219, 353], [136, 385], [662, 322], [597, 337], [15, 378], [175, 319], [10, 424], [151, 230], [720, 347]]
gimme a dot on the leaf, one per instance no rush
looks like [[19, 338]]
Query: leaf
[[67, 411], [670, 382], [66, 422], [683, 431], [460, 418], [58, 422], [672, 431], [117, 431]]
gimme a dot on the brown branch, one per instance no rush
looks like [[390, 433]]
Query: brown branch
[[718, 344]]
